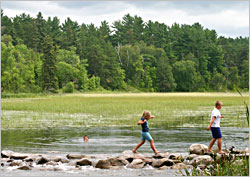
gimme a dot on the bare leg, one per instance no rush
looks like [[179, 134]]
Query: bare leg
[[211, 145], [153, 147], [138, 145], [220, 146]]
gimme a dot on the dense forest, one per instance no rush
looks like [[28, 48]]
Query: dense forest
[[40, 55]]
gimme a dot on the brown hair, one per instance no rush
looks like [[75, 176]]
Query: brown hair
[[218, 103], [146, 113]]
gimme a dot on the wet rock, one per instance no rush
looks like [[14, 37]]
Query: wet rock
[[16, 163], [106, 164], [6, 154], [103, 164], [164, 167], [161, 155], [42, 160], [198, 149], [177, 161], [84, 162], [78, 156], [179, 166], [24, 168], [191, 156], [64, 160], [203, 159], [161, 162], [136, 163], [52, 163], [32, 158], [18, 156]]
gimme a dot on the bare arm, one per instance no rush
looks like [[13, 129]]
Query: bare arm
[[152, 117], [221, 116], [212, 121], [141, 122]]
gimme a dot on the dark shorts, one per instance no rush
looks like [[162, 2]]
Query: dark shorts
[[216, 132]]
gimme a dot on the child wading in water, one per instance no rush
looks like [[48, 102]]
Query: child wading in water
[[215, 127], [145, 132]]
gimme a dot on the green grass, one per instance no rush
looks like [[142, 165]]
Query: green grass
[[121, 109]]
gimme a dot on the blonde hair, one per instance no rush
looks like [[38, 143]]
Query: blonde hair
[[146, 113]]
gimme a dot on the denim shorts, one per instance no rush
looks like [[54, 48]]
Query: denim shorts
[[216, 132], [146, 136]]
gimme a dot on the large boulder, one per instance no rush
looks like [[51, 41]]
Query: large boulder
[[162, 162], [198, 149], [202, 159], [84, 162], [136, 163]]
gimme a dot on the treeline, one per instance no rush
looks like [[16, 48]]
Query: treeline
[[40, 55]]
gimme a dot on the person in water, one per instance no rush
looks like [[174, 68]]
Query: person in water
[[145, 135], [85, 138]]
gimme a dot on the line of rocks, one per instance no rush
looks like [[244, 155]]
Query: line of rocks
[[128, 159]]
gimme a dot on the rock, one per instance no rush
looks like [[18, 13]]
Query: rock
[[84, 162], [179, 166], [203, 159], [161, 162], [18, 156], [78, 156], [176, 161], [191, 156], [32, 158], [201, 167], [42, 160], [136, 163], [64, 160], [24, 168], [129, 155], [198, 149], [161, 155], [103, 164], [52, 163], [106, 164], [16, 163], [6, 154], [164, 168]]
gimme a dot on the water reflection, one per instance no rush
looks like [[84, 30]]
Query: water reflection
[[114, 140]]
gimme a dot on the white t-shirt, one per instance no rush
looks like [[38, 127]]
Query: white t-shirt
[[216, 122]]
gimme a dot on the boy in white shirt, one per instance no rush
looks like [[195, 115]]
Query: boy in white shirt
[[215, 127]]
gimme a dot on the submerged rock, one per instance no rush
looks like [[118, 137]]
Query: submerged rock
[[16, 163], [78, 156], [198, 149], [24, 168]]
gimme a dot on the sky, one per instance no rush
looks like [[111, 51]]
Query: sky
[[228, 18]]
